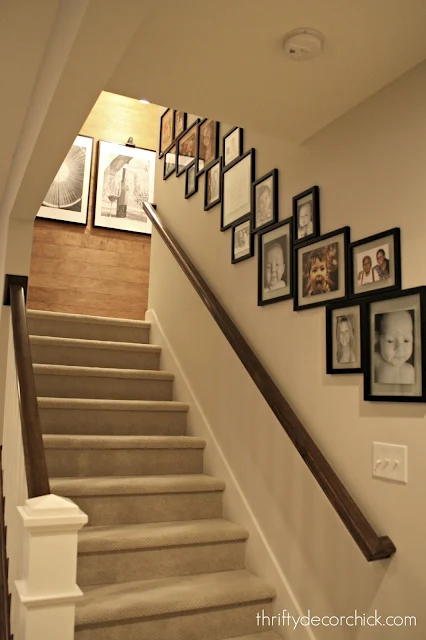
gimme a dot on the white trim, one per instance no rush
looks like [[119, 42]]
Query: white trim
[[38, 602]]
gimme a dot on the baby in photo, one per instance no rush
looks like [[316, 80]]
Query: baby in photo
[[395, 348], [318, 273], [305, 224], [274, 267]]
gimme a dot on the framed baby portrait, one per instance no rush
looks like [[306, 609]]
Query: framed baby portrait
[[186, 149], [265, 200], [180, 123], [213, 185], [242, 241], [237, 180], [375, 263], [232, 145], [394, 347], [275, 263], [344, 325], [169, 162], [166, 131], [208, 144], [320, 270], [191, 180], [306, 210]]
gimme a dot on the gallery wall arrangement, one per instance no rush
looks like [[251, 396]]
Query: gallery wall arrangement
[[373, 326]]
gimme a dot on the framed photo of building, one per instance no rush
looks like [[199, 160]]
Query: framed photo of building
[[237, 181], [191, 180], [166, 131], [395, 366], [232, 145], [186, 149], [275, 265], [169, 162], [375, 263], [344, 328], [208, 144], [180, 123], [213, 185], [306, 212], [125, 181], [242, 241], [68, 196], [320, 269], [265, 200]]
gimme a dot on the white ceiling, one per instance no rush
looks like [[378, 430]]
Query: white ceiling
[[224, 59]]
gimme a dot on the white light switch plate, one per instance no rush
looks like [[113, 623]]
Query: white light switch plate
[[390, 461]]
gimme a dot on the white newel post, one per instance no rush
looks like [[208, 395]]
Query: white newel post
[[48, 590]]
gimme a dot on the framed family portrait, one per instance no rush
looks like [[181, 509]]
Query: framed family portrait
[[237, 181], [68, 196], [125, 181], [232, 145], [213, 185], [265, 200], [344, 325], [186, 149], [169, 162], [208, 143], [180, 123], [395, 368], [191, 180], [166, 131], [242, 241], [306, 216], [320, 269], [375, 263], [275, 263]]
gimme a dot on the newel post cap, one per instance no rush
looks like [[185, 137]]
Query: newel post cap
[[52, 512]]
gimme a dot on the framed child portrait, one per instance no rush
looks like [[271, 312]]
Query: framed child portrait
[[242, 241], [395, 363], [191, 180], [213, 185], [169, 162], [320, 269], [344, 326], [275, 263], [232, 145], [180, 123], [166, 131], [186, 149], [208, 144], [306, 212], [375, 263], [265, 200]]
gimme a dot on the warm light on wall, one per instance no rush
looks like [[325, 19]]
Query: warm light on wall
[[144, 101]]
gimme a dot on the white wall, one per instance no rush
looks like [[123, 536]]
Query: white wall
[[371, 167]]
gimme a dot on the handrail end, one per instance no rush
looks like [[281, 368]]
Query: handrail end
[[13, 279], [385, 549]]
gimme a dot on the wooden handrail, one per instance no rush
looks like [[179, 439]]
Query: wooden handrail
[[373, 547], [35, 457]]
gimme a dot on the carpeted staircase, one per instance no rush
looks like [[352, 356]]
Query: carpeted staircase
[[157, 560]]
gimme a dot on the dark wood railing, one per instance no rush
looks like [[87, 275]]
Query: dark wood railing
[[373, 547], [35, 458]]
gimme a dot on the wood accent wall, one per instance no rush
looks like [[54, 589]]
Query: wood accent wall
[[87, 270]]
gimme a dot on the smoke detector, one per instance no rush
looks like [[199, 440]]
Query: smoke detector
[[303, 44]]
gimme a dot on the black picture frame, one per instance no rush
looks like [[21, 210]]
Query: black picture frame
[[358, 288], [236, 136], [169, 113], [190, 132], [216, 167], [269, 182], [176, 116], [330, 273], [246, 205], [352, 324], [169, 168], [310, 195], [246, 222], [191, 169], [271, 235], [376, 307], [214, 127]]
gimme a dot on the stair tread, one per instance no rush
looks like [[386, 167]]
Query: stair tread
[[71, 317], [112, 405], [263, 635], [154, 534], [93, 344], [135, 485], [143, 598], [65, 441], [101, 372]]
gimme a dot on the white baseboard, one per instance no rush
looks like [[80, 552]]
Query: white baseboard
[[260, 558]]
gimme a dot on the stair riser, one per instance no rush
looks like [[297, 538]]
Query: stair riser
[[86, 463], [124, 566], [60, 386], [108, 423], [137, 509], [85, 357], [214, 624], [89, 331]]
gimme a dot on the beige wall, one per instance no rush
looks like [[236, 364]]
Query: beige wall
[[371, 167]]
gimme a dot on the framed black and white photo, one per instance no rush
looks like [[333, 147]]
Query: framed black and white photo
[[237, 179], [395, 368], [232, 145], [242, 241], [213, 185], [166, 131], [375, 263], [68, 196], [265, 200], [275, 281], [306, 215], [320, 269], [169, 162], [344, 325], [180, 123], [207, 143], [191, 180], [186, 148], [125, 181]]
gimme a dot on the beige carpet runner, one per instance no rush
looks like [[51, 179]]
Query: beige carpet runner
[[157, 560]]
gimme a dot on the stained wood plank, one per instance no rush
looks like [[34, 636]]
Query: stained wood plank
[[76, 270], [47, 298]]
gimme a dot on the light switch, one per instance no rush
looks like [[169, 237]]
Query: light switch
[[390, 461]]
